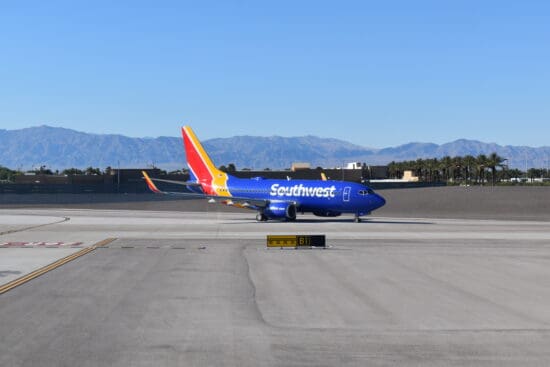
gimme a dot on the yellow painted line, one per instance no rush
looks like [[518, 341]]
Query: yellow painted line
[[34, 227], [17, 282]]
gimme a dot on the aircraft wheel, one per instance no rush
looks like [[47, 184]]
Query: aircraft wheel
[[261, 217], [357, 220]]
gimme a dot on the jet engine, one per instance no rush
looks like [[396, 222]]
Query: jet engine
[[281, 211]]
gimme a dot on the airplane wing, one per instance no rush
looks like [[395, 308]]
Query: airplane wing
[[238, 201]]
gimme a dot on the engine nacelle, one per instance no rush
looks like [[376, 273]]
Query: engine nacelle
[[281, 211], [326, 213]]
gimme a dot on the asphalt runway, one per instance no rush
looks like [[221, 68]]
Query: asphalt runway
[[201, 289], [191, 283]]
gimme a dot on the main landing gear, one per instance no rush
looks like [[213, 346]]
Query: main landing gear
[[260, 217]]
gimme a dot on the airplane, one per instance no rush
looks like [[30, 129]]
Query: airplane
[[271, 198]]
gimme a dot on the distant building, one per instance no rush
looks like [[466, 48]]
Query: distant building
[[126, 174], [409, 177], [375, 172], [354, 165], [296, 166]]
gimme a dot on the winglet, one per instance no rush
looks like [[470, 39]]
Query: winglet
[[150, 183]]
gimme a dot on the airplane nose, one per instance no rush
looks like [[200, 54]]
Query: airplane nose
[[380, 201]]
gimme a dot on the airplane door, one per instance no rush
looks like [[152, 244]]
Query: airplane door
[[347, 191]]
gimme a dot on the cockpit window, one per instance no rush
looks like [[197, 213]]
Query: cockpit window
[[366, 192]]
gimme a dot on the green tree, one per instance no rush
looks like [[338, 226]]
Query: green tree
[[392, 169], [481, 165], [432, 170], [418, 167], [533, 173], [446, 165], [92, 171], [6, 174], [72, 171], [514, 173], [493, 162], [458, 168], [43, 170], [469, 162]]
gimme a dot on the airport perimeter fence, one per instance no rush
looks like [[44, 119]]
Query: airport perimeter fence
[[132, 187], [71, 188], [403, 185]]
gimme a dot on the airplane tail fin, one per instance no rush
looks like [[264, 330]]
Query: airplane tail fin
[[201, 166]]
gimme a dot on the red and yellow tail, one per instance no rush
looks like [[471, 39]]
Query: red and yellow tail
[[150, 183], [212, 180]]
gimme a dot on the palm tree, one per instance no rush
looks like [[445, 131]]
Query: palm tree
[[493, 162], [72, 171], [533, 173], [469, 162], [392, 169], [514, 173], [419, 166], [481, 164], [431, 167], [446, 164], [458, 166], [6, 173], [435, 168], [92, 171]]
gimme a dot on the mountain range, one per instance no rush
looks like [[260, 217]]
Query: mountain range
[[59, 148]]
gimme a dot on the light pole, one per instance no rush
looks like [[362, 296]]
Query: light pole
[[118, 178], [505, 167]]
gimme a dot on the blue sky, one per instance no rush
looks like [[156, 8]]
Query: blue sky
[[376, 73]]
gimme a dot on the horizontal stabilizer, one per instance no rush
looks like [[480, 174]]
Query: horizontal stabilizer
[[150, 183], [184, 183]]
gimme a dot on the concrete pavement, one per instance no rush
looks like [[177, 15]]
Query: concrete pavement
[[201, 289]]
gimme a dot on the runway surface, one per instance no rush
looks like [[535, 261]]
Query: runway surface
[[201, 289]]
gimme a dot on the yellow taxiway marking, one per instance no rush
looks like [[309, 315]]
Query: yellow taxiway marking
[[17, 282]]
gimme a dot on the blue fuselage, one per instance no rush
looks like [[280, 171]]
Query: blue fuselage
[[309, 195]]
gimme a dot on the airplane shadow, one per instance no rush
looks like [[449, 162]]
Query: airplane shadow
[[298, 221], [397, 222]]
